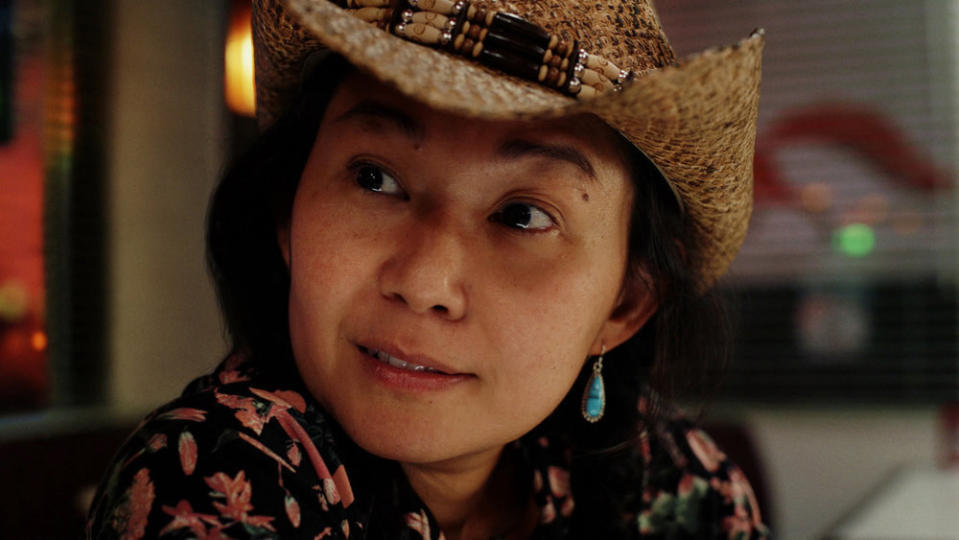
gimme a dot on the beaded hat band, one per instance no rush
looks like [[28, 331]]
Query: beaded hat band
[[496, 39], [694, 118]]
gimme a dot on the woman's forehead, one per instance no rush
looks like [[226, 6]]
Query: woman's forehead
[[361, 90]]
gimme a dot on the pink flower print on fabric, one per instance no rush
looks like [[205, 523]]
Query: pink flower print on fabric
[[185, 517], [705, 449], [249, 412], [230, 376], [321, 498], [230, 372], [419, 522], [254, 415], [559, 487], [130, 517], [237, 492], [286, 399], [537, 481], [183, 413], [330, 492], [293, 454], [548, 511], [188, 452], [686, 484], [292, 510], [737, 525], [156, 442], [567, 509], [339, 490], [558, 481], [744, 498]]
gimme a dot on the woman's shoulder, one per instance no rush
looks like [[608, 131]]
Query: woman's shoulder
[[236, 455], [692, 489]]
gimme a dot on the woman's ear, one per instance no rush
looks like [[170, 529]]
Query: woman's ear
[[283, 240], [637, 303]]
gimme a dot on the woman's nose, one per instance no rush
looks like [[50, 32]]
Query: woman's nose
[[425, 270]]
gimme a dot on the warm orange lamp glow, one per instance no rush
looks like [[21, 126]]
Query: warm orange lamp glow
[[240, 94], [38, 340]]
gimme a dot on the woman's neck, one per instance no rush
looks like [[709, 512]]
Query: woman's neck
[[474, 497]]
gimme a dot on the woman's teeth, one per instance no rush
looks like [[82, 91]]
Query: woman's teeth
[[396, 362]]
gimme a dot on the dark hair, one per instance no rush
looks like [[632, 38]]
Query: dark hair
[[256, 194], [676, 352]]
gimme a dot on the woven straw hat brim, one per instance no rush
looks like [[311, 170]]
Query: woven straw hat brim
[[695, 121]]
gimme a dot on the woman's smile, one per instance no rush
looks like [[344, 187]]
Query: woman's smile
[[405, 365], [410, 373]]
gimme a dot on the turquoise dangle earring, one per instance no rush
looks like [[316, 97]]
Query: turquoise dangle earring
[[594, 398]]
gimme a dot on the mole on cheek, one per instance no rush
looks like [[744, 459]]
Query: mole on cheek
[[585, 197]]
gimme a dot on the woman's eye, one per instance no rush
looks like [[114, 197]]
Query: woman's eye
[[373, 178], [524, 216]]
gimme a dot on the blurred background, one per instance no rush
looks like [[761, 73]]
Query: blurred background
[[117, 117]]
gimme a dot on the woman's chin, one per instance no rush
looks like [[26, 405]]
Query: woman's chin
[[417, 440], [404, 447]]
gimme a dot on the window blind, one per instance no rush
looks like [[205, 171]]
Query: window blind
[[846, 282]]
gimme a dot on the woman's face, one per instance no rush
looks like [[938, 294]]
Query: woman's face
[[449, 276]]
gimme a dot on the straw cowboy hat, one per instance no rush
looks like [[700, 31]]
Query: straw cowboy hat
[[695, 118]]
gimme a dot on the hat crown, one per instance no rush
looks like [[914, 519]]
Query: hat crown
[[625, 32]]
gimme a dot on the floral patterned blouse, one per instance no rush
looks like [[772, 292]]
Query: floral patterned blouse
[[241, 455]]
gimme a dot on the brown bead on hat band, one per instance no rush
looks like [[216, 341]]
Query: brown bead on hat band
[[495, 39]]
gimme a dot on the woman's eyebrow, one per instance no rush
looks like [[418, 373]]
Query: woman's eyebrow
[[392, 117], [516, 148]]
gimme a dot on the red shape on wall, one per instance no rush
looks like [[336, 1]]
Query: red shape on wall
[[864, 131]]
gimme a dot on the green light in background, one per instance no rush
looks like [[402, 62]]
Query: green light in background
[[854, 240]]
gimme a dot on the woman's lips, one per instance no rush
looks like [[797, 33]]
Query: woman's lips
[[414, 363], [408, 373], [398, 363]]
